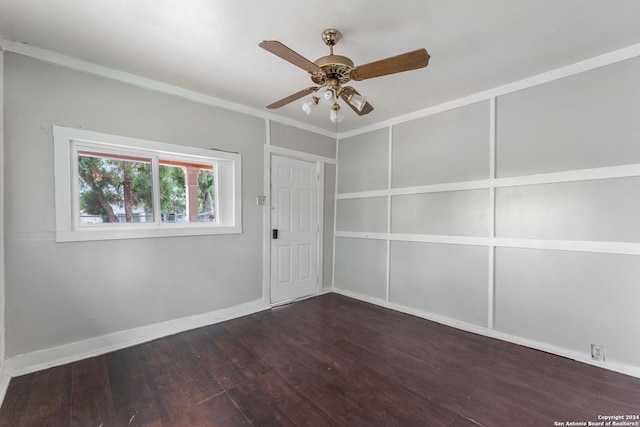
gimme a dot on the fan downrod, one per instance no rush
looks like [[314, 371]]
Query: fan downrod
[[331, 37], [336, 69]]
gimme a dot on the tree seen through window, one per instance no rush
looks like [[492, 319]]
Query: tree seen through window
[[118, 189]]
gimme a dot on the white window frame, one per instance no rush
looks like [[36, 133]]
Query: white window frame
[[228, 186]]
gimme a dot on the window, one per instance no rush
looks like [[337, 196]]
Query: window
[[113, 187]]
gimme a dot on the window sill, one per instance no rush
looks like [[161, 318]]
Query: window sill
[[143, 232]]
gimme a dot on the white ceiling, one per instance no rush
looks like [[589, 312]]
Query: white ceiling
[[211, 46]]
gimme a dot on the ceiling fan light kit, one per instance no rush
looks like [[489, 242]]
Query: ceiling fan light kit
[[336, 115], [358, 101], [330, 73], [327, 95], [309, 105]]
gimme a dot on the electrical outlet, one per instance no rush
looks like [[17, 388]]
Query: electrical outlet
[[598, 352]]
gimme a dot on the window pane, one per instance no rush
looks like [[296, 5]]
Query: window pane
[[173, 194], [114, 188], [187, 192], [206, 196]]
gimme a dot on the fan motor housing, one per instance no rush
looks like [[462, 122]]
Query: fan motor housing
[[334, 67]]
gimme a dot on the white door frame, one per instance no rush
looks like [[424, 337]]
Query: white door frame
[[270, 150], [2, 243]]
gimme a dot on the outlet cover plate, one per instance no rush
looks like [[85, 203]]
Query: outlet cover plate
[[598, 352]]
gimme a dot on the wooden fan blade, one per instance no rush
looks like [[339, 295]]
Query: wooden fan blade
[[289, 55], [396, 64], [291, 98], [346, 96]]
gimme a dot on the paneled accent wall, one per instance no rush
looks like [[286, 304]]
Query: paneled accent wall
[[517, 216]]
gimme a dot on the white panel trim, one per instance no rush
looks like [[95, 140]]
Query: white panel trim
[[492, 136], [388, 246], [447, 240], [607, 172], [335, 217], [267, 126], [320, 216], [620, 248], [146, 83], [362, 235], [266, 220], [421, 238], [67, 353], [362, 194], [439, 188], [491, 283], [481, 330], [432, 188], [2, 254], [492, 213]]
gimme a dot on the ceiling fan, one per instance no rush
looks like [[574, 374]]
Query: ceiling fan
[[330, 73]]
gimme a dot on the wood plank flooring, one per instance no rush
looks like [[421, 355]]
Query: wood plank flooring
[[329, 360]]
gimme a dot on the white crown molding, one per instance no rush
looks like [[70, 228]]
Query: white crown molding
[[146, 83], [566, 71], [73, 63]]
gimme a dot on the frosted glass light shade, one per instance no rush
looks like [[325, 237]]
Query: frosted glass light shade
[[336, 115], [307, 106], [358, 101], [327, 95]]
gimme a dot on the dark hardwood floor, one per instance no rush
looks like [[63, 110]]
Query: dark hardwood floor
[[328, 360]]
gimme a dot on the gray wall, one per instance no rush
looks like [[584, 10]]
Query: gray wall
[[58, 293], [583, 121], [444, 148], [465, 245], [301, 140]]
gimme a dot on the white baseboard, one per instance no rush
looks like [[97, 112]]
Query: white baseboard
[[4, 381], [56, 356], [622, 368], [44, 359]]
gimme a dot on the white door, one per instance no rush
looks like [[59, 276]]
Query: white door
[[294, 229]]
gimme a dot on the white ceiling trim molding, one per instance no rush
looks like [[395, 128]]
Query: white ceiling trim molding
[[146, 83], [133, 79], [569, 70]]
